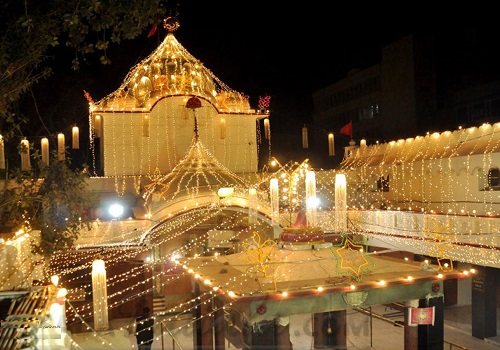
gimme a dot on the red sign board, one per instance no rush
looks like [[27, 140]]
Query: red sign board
[[421, 315]]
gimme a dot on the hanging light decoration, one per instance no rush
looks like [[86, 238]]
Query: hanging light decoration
[[331, 145], [305, 141]]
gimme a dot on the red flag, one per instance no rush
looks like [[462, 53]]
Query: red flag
[[152, 31], [347, 129]]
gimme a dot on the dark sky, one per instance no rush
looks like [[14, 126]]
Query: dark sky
[[261, 48]]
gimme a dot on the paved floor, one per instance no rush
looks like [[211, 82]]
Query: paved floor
[[361, 333]]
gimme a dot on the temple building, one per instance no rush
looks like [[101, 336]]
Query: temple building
[[200, 229]]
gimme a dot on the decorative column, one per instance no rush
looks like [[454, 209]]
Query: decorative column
[[25, 155], [76, 137], [340, 203], [410, 331], [331, 145], [305, 141], [45, 151], [267, 129], [484, 303], [431, 337], [100, 295], [252, 206], [311, 200], [275, 200], [282, 325], [61, 147]]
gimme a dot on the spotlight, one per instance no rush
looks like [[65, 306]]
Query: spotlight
[[115, 210]]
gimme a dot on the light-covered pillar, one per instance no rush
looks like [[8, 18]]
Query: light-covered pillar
[[252, 206], [275, 200], [311, 199], [340, 203], [100, 295]]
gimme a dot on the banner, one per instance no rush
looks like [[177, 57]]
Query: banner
[[421, 315]]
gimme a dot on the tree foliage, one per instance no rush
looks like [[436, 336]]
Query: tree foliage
[[29, 30], [52, 199]]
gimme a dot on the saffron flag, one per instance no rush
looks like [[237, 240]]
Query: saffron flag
[[421, 315], [347, 129], [152, 31]]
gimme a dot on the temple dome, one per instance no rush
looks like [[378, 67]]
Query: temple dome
[[168, 71]]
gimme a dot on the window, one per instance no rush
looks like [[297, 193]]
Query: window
[[383, 184], [494, 179]]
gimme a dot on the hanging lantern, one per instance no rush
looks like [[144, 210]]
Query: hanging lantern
[[75, 132], [45, 151], [305, 141], [331, 145], [61, 151]]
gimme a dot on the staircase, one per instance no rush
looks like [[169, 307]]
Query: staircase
[[159, 305]]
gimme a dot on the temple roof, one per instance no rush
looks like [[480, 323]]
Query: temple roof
[[168, 71], [484, 139]]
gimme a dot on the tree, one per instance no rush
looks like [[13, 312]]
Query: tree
[[31, 30], [52, 199]]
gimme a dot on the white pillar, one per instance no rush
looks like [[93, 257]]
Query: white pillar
[[45, 151], [61, 147], [100, 295], [25, 155]]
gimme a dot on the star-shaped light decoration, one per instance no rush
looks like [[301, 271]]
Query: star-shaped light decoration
[[352, 259], [156, 183], [262, 256], [442, 244]]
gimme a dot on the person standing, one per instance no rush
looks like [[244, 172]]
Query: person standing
[[144, 330]]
